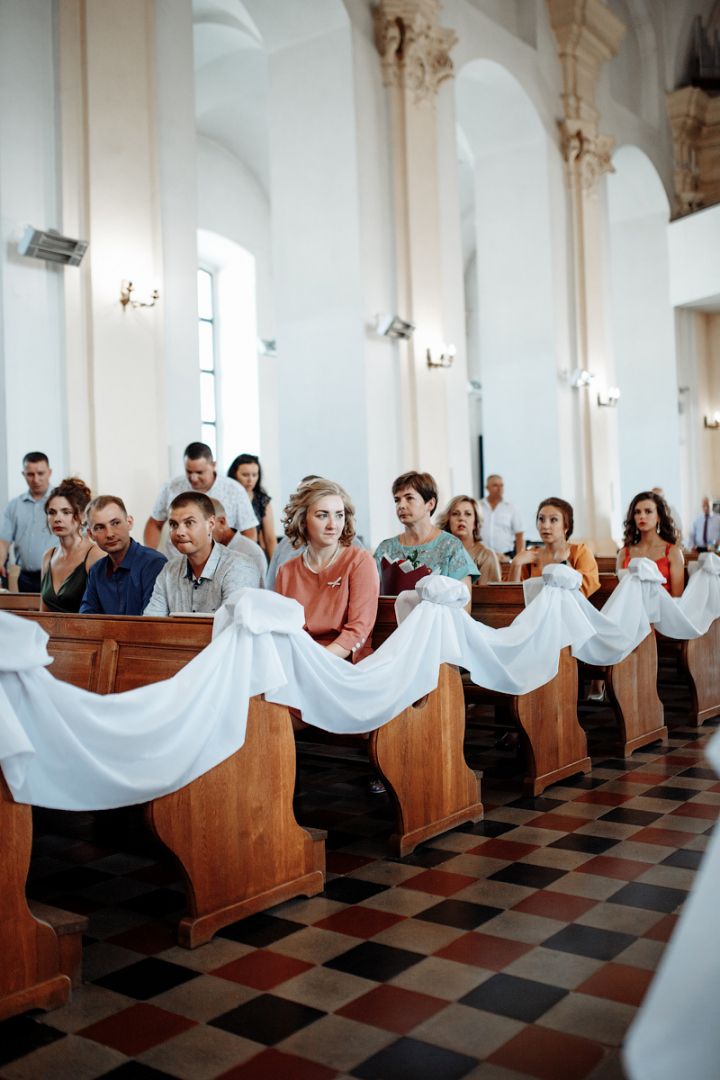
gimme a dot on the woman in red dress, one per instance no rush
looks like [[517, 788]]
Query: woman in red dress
[[650, 533]]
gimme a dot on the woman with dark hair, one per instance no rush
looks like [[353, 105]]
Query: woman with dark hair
[[463, 519], [650, 534], [246, 470], [65, 567], [555, 524]]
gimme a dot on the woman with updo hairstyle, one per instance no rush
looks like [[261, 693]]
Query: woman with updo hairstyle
[[463, 519], [335, 581], [65, 567], [650, 534], [248, 473], [555, 524]]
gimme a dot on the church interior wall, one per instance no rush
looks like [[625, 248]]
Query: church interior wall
[[642, 327], [270, 127]]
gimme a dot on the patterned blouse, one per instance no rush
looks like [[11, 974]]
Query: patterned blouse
[[444, 555], [260, 500]]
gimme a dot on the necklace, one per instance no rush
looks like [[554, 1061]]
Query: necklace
[[327, 564]]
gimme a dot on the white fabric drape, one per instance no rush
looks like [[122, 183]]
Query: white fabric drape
[[67, 748], [677, 1031]]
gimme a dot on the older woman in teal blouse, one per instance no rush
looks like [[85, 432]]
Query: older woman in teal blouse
[[415, 497]]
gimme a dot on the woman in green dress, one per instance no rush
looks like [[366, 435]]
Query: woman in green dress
[[415, 497]]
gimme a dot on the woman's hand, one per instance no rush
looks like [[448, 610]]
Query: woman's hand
[[338, 650], [526, 557]]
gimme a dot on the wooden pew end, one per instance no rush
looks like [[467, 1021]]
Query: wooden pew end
[[69, 928]]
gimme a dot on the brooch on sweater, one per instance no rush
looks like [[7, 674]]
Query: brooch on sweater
[[332, 584]]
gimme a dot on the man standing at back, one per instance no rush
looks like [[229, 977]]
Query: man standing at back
[[123, 582], [705, 530], [25, 525], [200, 476], [502, 529]]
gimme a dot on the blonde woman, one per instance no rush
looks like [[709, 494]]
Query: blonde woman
[[336, 582], [463, 519]]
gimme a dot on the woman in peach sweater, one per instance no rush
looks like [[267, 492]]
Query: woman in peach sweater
[[336, 582]]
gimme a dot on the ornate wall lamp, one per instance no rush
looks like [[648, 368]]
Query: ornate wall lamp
[[442, 358], [126, 290], [713, 424]]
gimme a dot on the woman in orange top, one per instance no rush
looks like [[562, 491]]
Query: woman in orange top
[[650, 534], [555, 525]]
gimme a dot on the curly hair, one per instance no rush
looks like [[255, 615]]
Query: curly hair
[[76, 492], [295, 513], [444, 519], [666, 530], [565, 509]]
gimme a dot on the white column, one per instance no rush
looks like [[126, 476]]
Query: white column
[[178, 213], [316, 264], [32, 378], [109, 100]]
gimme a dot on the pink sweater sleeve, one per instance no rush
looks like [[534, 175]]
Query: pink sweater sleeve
[[364, 590]]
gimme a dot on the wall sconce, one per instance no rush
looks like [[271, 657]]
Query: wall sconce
[[581, 378], [713, 424], [393, 326], [611, 398], [442, 359], [127, 288]]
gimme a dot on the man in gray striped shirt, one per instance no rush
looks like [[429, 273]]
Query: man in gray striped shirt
[[208, 574]]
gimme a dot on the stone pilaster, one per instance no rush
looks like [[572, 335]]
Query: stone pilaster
[[415, 58], [588, 35], [695, 121]]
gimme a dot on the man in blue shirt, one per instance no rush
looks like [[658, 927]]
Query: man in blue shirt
[[121, 583]]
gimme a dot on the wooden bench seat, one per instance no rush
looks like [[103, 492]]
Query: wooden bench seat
[[419, 755], [19, 601], [232, 831], [631, 685], [547, 719]]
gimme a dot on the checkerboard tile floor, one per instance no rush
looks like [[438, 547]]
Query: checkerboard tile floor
[[519, 947]]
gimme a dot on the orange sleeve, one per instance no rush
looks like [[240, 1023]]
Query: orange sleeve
[[364, 590], [582, 559]]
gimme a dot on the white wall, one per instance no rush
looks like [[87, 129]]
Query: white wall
[[694, 261], [178, 214], [32, 372], [515, 285], [317, 265], [233, 204], [643, 328]]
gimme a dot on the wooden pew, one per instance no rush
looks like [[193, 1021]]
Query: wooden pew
[[232, 831], [699, 661], [419, 755], [547, 718], [31, 974], [631, 685], [19, 601], [606, 563]]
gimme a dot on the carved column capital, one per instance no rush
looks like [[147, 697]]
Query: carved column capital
[[687, 110], [587, 155], [414, 50], [587, 34]]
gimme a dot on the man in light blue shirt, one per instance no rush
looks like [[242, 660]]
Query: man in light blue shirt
[[24, 524]]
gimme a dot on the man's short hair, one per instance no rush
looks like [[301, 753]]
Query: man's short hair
[[102, 501], [194, 498], [219, 508], [33, 457], [422, 482], [196, 450], [493, 476]]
